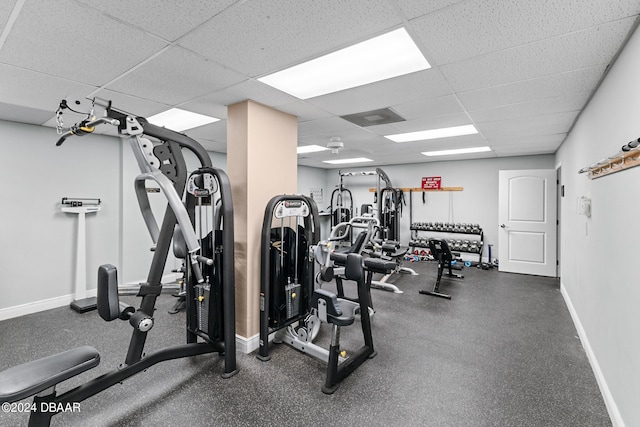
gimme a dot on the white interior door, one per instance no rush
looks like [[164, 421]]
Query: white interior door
[[527, 219]]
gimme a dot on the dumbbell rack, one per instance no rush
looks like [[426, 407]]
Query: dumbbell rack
[[467, 240]]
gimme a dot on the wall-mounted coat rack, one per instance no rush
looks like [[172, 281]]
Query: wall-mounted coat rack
[[628, 157]]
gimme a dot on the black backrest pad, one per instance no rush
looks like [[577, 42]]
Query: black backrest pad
[[440, 248], [108, 301], [179, 244], [359, 243], [354, 269]]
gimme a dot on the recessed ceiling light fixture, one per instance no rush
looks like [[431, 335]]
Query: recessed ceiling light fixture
[[304, 149], [342, 161], [433, 133], [390, 55], [179, 120], [456, 151]]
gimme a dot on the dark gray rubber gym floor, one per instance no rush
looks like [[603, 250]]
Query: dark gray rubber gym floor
[[502, 352]]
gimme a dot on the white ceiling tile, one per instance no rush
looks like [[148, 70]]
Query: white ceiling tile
[[331, 126], [429, 107], [580, 49], [398, 90], [428, 123], [304, 111], [355, 137], [518, 150], [16, 113], [250, 89], [558, 104], [473, 28], [175, 76], [166, 18], [257, 37], [386, 129], [535, 125], [204, 105], [131, 104], [530, 90], [458, 157], [529, 141], [36, 90], [414, 8], [214, 132], [75, 42], [6, 7], [417, 147]]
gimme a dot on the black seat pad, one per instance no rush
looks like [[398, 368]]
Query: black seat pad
[[348, 309], [340, 311], [30, 378]]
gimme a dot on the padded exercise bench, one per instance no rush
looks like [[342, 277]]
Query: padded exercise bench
[[40, 377], [391, 250], [441, 253]]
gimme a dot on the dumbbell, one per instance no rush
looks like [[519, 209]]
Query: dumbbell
[[465, 246], [473, 246]]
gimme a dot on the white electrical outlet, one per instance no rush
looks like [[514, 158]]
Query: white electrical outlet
[[584, 206]]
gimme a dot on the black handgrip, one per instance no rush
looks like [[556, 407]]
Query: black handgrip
[[204, 260], [60, 141]]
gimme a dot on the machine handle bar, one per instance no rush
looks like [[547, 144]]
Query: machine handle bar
[[85, 127]]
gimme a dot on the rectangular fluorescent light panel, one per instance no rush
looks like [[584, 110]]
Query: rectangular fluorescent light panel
[[304, 149], [179, 120], [433, 134], [390, 55], [342, 161], [456, 151]]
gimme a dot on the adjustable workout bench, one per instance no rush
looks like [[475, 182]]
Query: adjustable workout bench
[[441, 252], [392, 251]]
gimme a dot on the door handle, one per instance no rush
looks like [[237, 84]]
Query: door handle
[[503, 226]]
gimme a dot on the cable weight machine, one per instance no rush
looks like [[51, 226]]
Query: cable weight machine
[[210, 327], [289, 305], [289, 230]]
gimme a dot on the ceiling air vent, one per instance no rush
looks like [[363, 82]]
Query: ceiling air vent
[[382, 116]]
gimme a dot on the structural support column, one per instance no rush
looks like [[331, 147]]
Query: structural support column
[[261, 163]]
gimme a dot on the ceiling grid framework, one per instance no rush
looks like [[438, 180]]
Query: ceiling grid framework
[[520, 71]]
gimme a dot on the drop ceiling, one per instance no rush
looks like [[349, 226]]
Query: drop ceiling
[[520, 71]]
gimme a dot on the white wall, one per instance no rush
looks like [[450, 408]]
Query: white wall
[[477, 203], [599, 254], [38, 241], [312, 178]]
